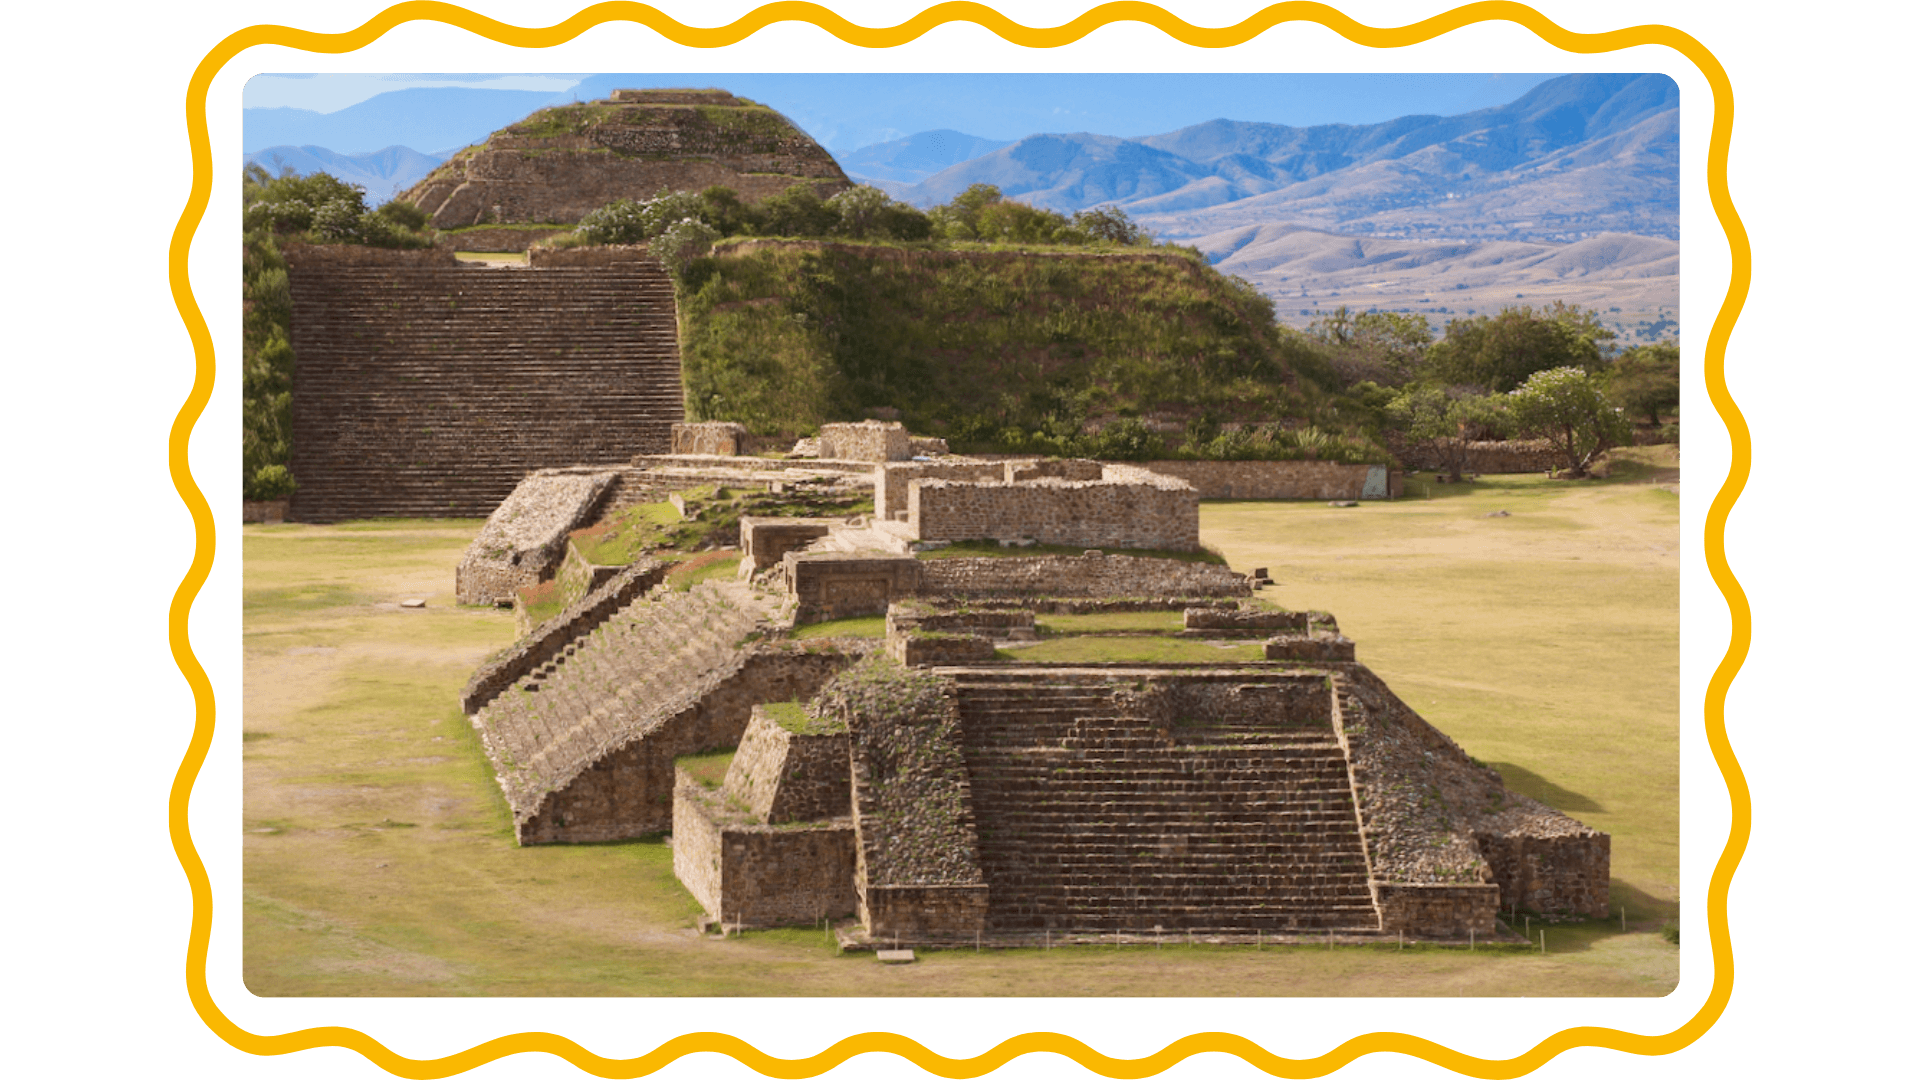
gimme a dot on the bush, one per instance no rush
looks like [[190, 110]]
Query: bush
[[270, 482]]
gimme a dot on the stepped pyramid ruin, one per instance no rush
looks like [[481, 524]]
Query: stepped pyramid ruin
[[562, 162], [935, 789]]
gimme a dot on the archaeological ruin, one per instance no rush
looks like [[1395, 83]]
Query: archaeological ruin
[[926, 785]]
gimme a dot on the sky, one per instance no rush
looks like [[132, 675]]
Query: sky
[[844, 112]]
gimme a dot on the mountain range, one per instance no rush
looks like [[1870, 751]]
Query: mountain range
[[1574, 156], [383, 173]]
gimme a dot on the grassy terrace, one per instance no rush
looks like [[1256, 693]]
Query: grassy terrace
[[379, 858]]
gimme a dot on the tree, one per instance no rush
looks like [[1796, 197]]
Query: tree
[[1645, 380], [1569, 408], [958, 219], [1499, 352], [1383, 346], [866, 212], [1109, 225], [1438, 418]]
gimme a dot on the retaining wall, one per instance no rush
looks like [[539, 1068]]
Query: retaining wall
[[1442, 911], [785, 776], [1127, 508], [1283, 479], [747, 874]]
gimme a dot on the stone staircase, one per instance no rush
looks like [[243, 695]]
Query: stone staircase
[[1094, 820], [611, 686], [430, 390]]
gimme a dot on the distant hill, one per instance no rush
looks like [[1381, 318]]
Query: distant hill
[[1575, 155], [438, 119], [916, 157], [1632, 281], [383, 173]]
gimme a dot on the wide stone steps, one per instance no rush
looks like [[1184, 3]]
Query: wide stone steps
[[635, 669], [434, 389], [1090, 819]]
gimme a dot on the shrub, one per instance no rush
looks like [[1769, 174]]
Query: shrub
[[270, 482]]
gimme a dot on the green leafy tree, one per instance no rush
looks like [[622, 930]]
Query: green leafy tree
[[866, 212], [1384, 347], [1110, 225], [1570, 409], [797, 211], [1645, 380], [1499, 352], [1440, 419], [959, 218], [682, 242]]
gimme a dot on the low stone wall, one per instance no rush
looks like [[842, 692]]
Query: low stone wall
[[1510, 456], [890, 480], [1072, 576], [551, 637], [869, 440], [1283, 479], [920, 648], [915, 914], [830, 585], [764, 541], [1053, 469], [1438, 911], [784, 776], [747, 874], [716, 437], [629, 791], [1311, 648], [525, 537], [263, 512], [1548, 864], [926, 445], [1243, 621], [1128, 508], [905, 618]]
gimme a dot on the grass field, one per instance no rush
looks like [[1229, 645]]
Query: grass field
[[379, 858]]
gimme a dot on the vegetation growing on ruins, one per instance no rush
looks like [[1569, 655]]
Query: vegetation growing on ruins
[[714, 521]]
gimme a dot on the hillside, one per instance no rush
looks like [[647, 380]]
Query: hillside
[[783, 335], [383, 173], [564, 161]]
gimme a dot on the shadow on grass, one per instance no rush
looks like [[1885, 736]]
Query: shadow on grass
[[1535, 786]]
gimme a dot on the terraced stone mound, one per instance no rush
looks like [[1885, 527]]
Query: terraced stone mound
[[562, 162], [429, 388]]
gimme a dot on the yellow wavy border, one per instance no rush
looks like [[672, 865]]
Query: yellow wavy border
[[887, 37]]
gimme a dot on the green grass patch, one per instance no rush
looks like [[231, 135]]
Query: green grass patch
[[1111, 622], [794, 717], [491, 256], [708, 768], [865, 626], [706, 566], [543, 600], [973, 549], [1142, 650]]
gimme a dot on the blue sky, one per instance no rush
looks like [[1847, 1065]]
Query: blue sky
[[848, 111]]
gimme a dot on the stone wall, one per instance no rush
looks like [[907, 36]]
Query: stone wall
[[785, 775], [832, 585], [922, 648], [629, 791], [890, 481], [923, 914], [1084, 575], [1438, 911], [552, 637], [1053, 469], [430, 388], [1509, 456], [869, 440], [1283, 479], [263, 511], [1548, 864], [765, 541], [1311, 648], [1243, 621], [719, 437], [1127, 508], [525, 538], [749, 874]]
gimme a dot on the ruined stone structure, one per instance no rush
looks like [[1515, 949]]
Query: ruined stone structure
[[1123, 507], [430, 388], [869, 440], [563, 162], [525, 538], [935, 791]]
